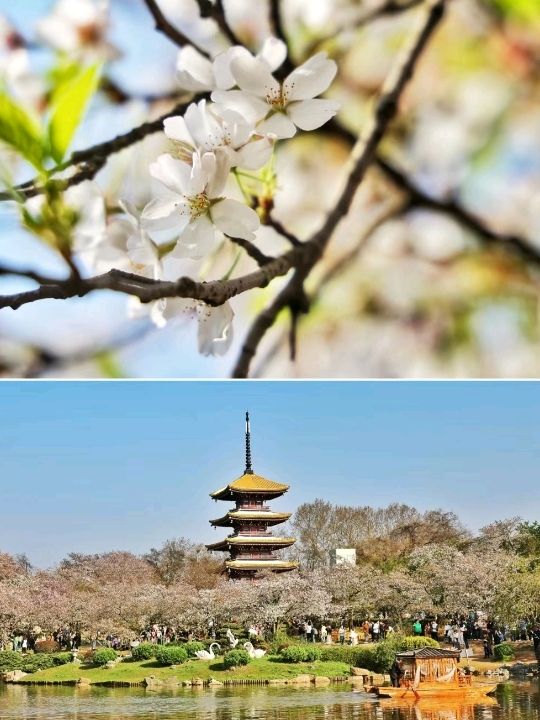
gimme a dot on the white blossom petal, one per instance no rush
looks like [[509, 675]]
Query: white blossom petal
[[215, 333], [311, 114], [174, 174], [236, 128], [310, 79], [254, 154], [176, 129], [277, 124], [223, 77], [273, 52], [204, 128], [194, 71], [235, 219], [254, 76], [250, 107], [218, 172], [164, 213], [197, 240]]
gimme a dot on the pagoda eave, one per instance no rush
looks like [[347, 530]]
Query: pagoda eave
[[274, 565], [233, 542], [267, 517]]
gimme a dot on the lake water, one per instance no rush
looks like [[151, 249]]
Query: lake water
[[513, 701]]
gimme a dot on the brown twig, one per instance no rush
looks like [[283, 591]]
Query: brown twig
[[276, 23], [165, 27], [253, 251], [282, 230]]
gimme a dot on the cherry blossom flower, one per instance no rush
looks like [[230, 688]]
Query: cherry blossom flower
[[215, 324], [122, 243], [204, 130], [198, 74], [78, 27], [193, 204], [280, 108]]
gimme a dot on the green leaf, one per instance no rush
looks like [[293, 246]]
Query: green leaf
[[68, 105], [19, 130]]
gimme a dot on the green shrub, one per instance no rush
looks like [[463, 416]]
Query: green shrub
[[144, 651], [41, 661], [504, 651], [234, 658], [193, 646], [46, 646], [10, 660], [171, 654], [102, 656], [355, 655], [61, 658], [300, 653]]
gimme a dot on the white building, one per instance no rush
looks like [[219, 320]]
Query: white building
[[343, 556]]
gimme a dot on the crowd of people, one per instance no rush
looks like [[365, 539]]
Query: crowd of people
[[345, 634], [457, 632]]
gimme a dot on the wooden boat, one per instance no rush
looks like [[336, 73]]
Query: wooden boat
[[433, 673], [446, 708]]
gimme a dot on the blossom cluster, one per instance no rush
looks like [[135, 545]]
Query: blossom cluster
[[249, 111]]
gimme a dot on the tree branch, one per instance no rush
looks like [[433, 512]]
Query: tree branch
[[282, 230], [263, 323], [165, 27], [218, 14], [253, 251], [386, 212], [278, 30], [362, 155], [509, 242]]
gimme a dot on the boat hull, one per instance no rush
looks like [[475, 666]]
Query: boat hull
[[462, 693]]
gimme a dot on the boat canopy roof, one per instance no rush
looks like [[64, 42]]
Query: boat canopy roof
[[428, 653]]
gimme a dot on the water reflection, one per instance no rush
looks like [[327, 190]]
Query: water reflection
[[513, 701]]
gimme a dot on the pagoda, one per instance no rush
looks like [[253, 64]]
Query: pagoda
[[251, 544]]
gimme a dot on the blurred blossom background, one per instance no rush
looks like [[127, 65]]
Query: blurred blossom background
[[401, 291]]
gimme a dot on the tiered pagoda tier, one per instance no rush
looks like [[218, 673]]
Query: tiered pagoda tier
[[251, 544]]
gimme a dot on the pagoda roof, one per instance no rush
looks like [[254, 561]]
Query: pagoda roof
[[260, 564], [250, 483], [236, 540], [265, 515]]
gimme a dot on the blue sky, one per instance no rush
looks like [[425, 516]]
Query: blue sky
[[91, 467]]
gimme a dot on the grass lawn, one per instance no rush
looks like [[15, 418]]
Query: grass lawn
[[264, 669]]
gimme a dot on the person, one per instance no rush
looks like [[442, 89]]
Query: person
[[353, 637], [308, 628], [341, 634], [375, 630], [366, 628], [488, 651], [464, 630], [396, 672], [323, 634], [314, 633], [535, 633], [434, 630], [417, 627]]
